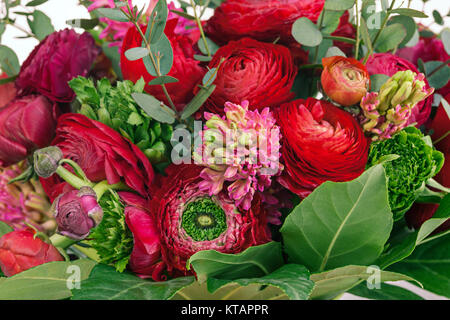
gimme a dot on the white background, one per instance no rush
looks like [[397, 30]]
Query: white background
[[62, 10]]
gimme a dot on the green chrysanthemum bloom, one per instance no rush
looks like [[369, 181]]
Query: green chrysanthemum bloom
[[407, 175], [115, 107]]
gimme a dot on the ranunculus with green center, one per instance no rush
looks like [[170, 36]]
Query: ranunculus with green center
[[417, 163], [189, 220], [344, 80], [386, 112]]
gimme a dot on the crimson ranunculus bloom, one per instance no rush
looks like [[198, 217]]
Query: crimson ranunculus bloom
[[264, 20], [261, 73], [189, 220], [59, 58], [389, 64], [185, 68], [20, 251], [101, 152], [320, 142], [26, 124]]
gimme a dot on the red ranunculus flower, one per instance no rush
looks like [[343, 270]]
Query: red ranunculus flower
[[7, 91], [59, 58], [101, 152], [20, 251], [388, 64], [26, 124], [261, 73], [320, 142], [264, 20], [185, 68], [189, 220]]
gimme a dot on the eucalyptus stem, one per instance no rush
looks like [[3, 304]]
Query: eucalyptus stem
[[61, 241], [29, 34], [445, 135], [102, 187], [199, 23], [357, 30]]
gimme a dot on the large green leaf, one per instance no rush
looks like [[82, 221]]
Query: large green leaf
[[9, 62], [292, 279], [4, 228], [253, 262], [45, 282], [41, 25], [386, 292], [429, 264], [306, 32], [340, 223], [331, 283], [107, 284], [391, 37]]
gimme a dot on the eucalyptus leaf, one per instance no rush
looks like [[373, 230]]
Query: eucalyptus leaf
[[339, 5], [410, 27], [410, 13], [253, 262], [196, 103], [163, 80], [154, 108], [35, 3], [107, 284], [391, 37], [306, 32], [445, 36], [212, 46], [45, 282], [439, 78], [330, 22], [376, 81], [340, 223], [137, 53], [331, 283], [210, 77], [9, 61], [438, 18], [113, 14], [334, 51], [4, 229], [163, 49], [158, 19], [365, 35], [202, 58]]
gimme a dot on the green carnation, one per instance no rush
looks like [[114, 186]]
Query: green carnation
[[407, 175], [114, 106]]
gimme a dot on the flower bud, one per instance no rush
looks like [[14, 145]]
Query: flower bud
[[344, 80], [46, 161], [77, 212]]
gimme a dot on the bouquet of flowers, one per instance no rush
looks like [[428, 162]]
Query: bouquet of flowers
[[291, 149]]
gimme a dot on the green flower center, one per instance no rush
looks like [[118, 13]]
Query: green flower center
[[204, 220]]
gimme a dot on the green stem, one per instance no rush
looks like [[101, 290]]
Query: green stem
[[445, 135], [205, 6], [102, 187], [61, 241], [311, 66], [199, 23], [72, 179], [341, 39], [316, 54], [76, 168], [21, 29], [434, 184], [357, 30]]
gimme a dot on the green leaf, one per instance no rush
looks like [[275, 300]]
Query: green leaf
[[2, 29], [41, 25], [210, 77], [334, 51], [439, 78], [340, 223], [159, 19], [45, 282], [429, 264], [365, 35], [113, 54], [4, 229], [162, 80], [253, 262], [410, 27], [199, 99], [410, 13], [202, 58], [330, 21], [35, 3], [334, 282], [107, 284], [163, 50], [113, 14], [9, 61], [292, 279], [154, 108], [86, 24], [339, 5], [306, 33], [183, 14], [376, 81], [137, 53], [445, 36], [212, 46], [386, 292], [438, 18], [390, 37]]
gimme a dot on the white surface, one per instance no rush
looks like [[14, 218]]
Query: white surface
[[62, 10]]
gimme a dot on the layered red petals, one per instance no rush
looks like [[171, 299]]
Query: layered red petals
[[26, 124], [185, 68], [20, 251], [320, 142], [262, 73], [101, 152], [7, 91]]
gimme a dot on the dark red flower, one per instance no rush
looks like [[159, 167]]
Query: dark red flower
[[7, 91], [26, 124], [189, 220], [185, 68], [20, 251], [321, 142], [345, 29], [421, 212], [261, 73], [59, 58], [389, 64], [101, 152]]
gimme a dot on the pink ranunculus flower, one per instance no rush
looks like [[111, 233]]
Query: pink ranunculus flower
[[389, 64], [59, 58]]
